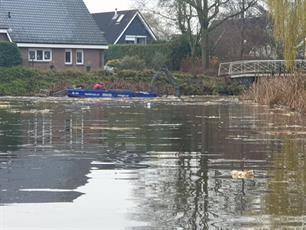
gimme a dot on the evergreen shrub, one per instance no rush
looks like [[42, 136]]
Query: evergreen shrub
[[9, 54], [155, 55]]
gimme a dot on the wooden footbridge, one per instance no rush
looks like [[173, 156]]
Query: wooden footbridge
[[257, 68]]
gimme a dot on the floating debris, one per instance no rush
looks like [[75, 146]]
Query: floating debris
[[165, 125], [32, 111], [86, 108], [115, 128], [148, 105], [4, 105], [290, 114], [286, 133], [245, 174], [209, 117]]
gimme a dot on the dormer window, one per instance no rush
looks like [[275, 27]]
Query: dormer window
[[4, 35]]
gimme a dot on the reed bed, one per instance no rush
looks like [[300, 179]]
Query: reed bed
[[289, 91]]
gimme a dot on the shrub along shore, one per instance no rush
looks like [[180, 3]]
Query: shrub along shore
[[289, 91], [19, 81]]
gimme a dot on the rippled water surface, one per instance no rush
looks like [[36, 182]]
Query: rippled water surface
[[155, 164]]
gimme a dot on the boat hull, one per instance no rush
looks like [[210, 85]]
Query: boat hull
[[91, 93]]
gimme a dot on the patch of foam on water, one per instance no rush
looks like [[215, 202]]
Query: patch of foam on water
[[102, 163], [162, 124], [170, 138], [115, 128], [45, 190]]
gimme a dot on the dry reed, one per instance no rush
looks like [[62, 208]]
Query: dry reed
[[289, 91]]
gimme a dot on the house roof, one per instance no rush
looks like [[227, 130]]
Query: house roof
[[114, 29], [226, 38], [50, 22]]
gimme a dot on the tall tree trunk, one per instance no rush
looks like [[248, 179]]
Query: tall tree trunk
[[203, 15], [207, 51], [242, 30], [205, 48]]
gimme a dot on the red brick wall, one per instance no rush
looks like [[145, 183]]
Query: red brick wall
[[92, 58]]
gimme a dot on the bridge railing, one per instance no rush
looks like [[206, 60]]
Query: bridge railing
[[257, 67]]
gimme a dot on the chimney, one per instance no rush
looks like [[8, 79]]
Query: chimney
[[115, 15]]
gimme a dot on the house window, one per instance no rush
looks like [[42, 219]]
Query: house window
[[132, 39], [32, 55], [141, 40], [68, 57], [79, 57], [40, 55], [47, 55]]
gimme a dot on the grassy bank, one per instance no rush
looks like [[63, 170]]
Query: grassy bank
[[19, 81], [289, 91]]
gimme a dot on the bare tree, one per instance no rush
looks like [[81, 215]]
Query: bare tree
[[255, 10], [209, 14], [180, 14], [161, 17], [209, 11], [161, 29]]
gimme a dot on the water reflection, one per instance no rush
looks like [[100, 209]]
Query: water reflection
[[10, 133], [287, 185], [166, 166]]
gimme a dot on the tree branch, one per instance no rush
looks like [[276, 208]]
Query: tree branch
[[250, 4]]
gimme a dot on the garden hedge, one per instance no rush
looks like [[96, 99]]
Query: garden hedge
[[20, 81], [155, 55], [9, 54]]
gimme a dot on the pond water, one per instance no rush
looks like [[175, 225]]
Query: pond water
[[154, 164]]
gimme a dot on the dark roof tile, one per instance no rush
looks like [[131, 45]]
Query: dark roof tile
[[51, 22], [111, 28]]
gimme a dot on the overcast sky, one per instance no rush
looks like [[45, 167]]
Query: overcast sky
[[108, 5]]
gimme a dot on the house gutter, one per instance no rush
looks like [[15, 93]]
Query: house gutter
[[61, 46]]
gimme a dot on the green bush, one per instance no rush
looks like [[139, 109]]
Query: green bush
[[135, 76], [232, 89], [114, 63], [9, 54], [132, 62], [19, 81], [180, 50], [27, 82], [156, 55], [144, 52], [159, 61]]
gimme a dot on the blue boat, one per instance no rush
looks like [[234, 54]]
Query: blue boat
[[108, 93]]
